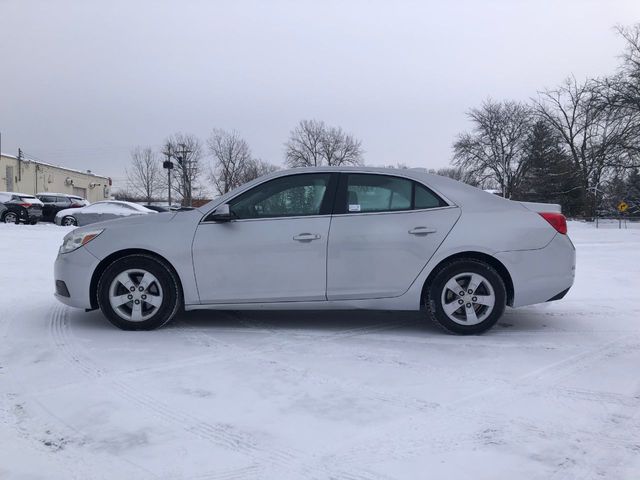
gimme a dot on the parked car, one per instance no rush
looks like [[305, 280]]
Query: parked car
[[21, 208], [158, 208], [2, 209], [325, 238], [98, 212], [54, 202]]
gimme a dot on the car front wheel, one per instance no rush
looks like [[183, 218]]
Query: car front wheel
[[466, 297], [69, 222], [139, 292]]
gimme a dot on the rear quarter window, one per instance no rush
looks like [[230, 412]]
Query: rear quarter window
[[425, 198]]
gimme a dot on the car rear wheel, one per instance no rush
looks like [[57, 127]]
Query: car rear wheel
[[139, 292], [69, 222], [466, 297], [10, 217]]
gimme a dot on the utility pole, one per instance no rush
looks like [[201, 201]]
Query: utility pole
[[183, 160], [169, 166], [19, 166]]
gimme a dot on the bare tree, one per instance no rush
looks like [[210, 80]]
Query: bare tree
[[340, 148], [596, 136], [257, 168], [303, 149], [187, 152], [233, 164], [144, 175], [496, 148], [459, 174], [312, 143], [231, 156], [623, 89], [620, 93]]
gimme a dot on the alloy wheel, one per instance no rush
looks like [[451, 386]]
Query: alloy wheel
[[135, 295], [468, 298]]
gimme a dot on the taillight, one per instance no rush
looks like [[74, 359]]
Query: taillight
[[556, 220], [25, 205]]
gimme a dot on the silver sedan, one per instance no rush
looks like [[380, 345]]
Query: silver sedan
[[98, 212], [325, 238]]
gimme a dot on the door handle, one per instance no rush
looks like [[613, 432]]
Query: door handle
[[306, 237], [422, 231]]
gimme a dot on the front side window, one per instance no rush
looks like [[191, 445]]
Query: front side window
[[292, 196], [386, 193]]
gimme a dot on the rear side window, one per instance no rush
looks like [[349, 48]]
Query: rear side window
[[377, 193], [47, 199], [366, 193]]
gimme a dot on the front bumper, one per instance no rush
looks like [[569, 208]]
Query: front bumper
[[75, 270]]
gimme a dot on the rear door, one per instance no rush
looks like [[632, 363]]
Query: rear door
[[384, 231]]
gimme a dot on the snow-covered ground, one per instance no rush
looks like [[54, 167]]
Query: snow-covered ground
[[553, 392]]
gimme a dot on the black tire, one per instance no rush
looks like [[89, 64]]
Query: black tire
[[33, 222], [69, 221], [171, 299], [434, 292], [10, 217]]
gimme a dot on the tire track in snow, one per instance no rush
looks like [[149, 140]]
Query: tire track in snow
[[529, 383], [223, 435], [54, 429], [444, 441]]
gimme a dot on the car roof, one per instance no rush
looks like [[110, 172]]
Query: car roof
[[452, 191], [58, 194]]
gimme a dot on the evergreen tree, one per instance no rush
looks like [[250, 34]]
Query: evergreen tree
[[550, 177], [632, 195]]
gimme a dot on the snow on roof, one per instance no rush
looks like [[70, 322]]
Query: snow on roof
[[59, 194], [73, 170]]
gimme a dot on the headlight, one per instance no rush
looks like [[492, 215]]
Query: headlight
[[74, 240]]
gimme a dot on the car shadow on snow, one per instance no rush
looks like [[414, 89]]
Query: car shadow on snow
[[324, 322]]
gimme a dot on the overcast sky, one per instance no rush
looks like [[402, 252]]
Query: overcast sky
[[82, 82]]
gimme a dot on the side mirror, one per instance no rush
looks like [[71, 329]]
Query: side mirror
[[222, 213]]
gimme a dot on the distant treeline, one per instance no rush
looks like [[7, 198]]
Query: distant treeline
[[577, 145]]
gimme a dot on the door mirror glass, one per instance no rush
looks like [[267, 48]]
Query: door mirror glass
[[222, 213]]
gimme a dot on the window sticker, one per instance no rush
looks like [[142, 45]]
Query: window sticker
[[354, 207]]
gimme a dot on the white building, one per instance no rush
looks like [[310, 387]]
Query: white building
[[30, 176]]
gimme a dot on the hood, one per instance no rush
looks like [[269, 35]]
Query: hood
[[131, 220]]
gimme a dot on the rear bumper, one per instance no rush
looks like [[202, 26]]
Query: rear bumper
[[75, 269], [541, 275]]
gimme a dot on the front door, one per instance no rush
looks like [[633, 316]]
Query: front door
[[385, 230], [275, 248]]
